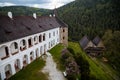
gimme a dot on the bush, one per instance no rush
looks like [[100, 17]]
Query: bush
[[83, 66], [71, 51]]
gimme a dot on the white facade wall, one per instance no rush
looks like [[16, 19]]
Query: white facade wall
[[36, 49]]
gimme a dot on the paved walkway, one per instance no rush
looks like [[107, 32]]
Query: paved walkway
[[51, 69]]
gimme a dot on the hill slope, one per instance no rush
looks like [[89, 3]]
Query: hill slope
[[90, 17], [23, 10]]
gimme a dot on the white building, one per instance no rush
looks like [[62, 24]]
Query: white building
[[25, 38]]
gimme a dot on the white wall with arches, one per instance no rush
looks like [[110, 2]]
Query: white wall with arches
[[16, 54]]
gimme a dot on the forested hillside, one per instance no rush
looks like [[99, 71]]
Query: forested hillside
[[23, 10], [112, 42], [90, 17]]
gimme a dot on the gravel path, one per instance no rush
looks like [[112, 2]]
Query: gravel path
[[51, 69]]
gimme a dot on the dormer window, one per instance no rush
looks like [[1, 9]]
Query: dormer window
[[40, 26], [7, 31]]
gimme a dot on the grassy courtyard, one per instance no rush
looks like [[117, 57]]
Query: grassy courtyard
[[31, 72]]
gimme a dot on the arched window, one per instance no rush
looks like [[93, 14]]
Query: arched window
[[25, 60], [54, 33], [23, 45], [8, 71], [4, 52], [40, 38], [44, 37], [41, 50], [17, 65], [49, 45], [31, 56], [30, 42], [36, 39], [49, 35], [14, 48], [45, 49], [37, 53]]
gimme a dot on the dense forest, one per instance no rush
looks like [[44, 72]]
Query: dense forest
[[90, 17], [23, 10], [112, 42]]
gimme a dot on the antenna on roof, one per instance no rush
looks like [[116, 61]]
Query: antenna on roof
[[34, 15], [55, 12], [10, 15]]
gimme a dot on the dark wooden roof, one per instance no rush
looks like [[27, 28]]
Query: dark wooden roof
[[21, 26], [94, 49], [96, 40], [84, 41]]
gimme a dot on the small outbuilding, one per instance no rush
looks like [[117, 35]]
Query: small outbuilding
[[94, 47]]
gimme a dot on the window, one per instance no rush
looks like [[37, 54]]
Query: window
[[53, 33], [6, 50], [49, 44], [40, 26], [40, 38], [30, 42], [63, 38], [63, 30], [43, 37], [0, 76], [57, 39], [57, 32], [16, 46], [23, 42], [34, 38], [49, 35]]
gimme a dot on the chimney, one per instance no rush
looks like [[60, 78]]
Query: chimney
[[34, 15], [50, 15], [10, 15], [53, 15]]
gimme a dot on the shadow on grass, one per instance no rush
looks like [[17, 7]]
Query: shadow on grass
[[31, 71]]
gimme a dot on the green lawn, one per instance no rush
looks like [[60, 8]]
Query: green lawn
[[107, 68], [31, 72], [95, 69]]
